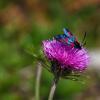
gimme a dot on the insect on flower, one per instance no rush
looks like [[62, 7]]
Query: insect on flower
[[66, 55], [69, 39]]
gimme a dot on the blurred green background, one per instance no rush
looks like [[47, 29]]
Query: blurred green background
[[23, 25]]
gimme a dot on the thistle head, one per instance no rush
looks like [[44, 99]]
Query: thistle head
[[64, 58]]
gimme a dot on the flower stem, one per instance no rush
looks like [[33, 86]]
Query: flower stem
[[38, 77], [53, 88]]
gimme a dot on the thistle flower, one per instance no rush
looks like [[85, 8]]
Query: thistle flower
[[64, 57], [66, 61]]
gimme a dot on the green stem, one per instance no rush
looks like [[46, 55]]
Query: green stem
[[38, 77], [53, 88]]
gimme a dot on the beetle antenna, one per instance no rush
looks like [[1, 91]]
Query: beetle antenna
[[83, 40]]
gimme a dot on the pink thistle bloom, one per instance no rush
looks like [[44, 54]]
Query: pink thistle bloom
[[66, 56]]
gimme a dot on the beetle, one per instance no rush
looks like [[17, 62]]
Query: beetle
[[69, 39]]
